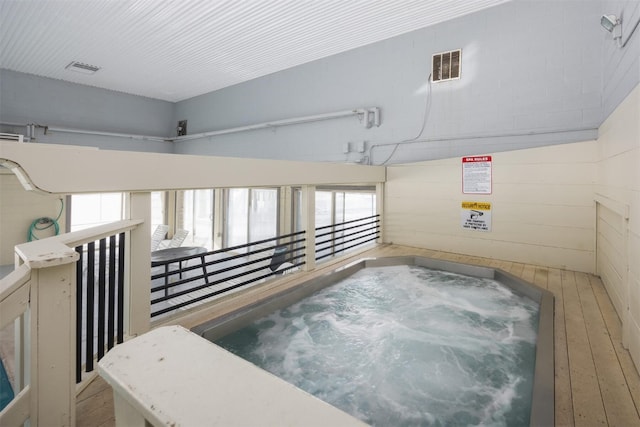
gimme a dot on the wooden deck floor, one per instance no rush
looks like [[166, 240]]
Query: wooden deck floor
[[596, 383]]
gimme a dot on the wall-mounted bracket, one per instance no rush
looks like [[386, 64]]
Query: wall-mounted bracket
[[182, 127], [370, 117]]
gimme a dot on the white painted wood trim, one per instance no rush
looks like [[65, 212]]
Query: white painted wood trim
[[138, 261], [309, 225], [14, 294], [172, 376], [621, 209], [17, 411], [380, 210], [46, 253], [92, 234], [125, 173], [53, 346], [60, 250]]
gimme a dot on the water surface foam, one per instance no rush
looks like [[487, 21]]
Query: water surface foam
[[405, 345]]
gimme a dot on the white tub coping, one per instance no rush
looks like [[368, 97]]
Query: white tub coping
[[171, 376]]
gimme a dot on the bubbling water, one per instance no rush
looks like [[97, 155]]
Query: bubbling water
[[405, 345]]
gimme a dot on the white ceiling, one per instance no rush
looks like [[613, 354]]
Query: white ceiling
[[174, 50]]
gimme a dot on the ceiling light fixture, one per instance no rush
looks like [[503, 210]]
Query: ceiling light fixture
[[81, 67]]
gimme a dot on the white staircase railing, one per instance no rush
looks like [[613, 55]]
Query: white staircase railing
[[39, 297]]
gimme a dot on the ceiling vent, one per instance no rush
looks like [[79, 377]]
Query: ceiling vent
[[446, 65], [12, 137], [82, 68]]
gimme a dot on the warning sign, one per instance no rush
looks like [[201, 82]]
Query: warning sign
[[476, 175], [476, 216]]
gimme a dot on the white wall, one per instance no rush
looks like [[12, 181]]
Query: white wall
[[618, 187], [542, 207], [531, 71], [28, 99], [18, 208]]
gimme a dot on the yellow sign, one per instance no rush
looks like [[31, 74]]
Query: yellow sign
[[476, 216], [481, 206]]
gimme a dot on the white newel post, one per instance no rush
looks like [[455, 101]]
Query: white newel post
[[52, 332], [309, 225], [380, 209], [138, 286]]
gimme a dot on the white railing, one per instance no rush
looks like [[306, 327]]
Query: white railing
[[14, 302], [39, 297]]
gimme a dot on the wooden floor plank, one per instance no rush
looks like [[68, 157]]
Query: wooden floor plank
[[614, 327], [528, 273], [447, 256], [587, 336], [485, 262], [540, 277], [563, 398], [585, 390], [516, 269], [480, 261], [618, 405], [94, 405], [502, 265]]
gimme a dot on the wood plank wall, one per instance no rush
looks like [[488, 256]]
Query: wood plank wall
[[542, 207]]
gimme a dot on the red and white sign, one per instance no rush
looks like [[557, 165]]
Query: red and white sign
[[476, 175]]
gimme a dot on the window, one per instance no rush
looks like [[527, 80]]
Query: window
[[336, 206], [89, 210], [324, 208], [197, 216], [251, 215], [263, 214], [237, 223], [355, 206], [158, 209]]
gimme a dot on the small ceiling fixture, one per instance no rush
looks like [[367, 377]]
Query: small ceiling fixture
[[609, 22], [81, 67], [612, 24]]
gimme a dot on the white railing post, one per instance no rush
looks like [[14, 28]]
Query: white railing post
[[52, 321], [218, 218], [380, 209], [137, 299], [309, 225], [53, 346]]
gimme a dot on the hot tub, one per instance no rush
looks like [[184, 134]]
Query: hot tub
[[538, 385]]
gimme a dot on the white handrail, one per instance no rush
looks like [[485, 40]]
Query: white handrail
[[58, 250], [14, 294], [17, 411], [80, 237], [44, 285], [15, 289], [170, 376]]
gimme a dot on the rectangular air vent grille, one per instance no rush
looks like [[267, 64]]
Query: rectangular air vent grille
[[82, 68], [12, 137], [446, 65]]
